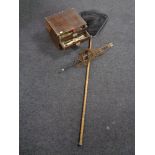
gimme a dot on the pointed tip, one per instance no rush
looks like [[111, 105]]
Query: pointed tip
[[111, 44], [79, 145]]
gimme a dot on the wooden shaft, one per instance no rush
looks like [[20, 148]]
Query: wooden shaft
[[85, 98], [84, 104]]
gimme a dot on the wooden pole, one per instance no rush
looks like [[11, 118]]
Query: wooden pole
[[85, 98]]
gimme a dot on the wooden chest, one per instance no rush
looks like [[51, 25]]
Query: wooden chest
[[67, 28]]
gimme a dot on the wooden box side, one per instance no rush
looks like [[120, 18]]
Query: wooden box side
[[52, 33]]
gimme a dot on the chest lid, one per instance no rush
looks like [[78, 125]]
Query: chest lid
[[65, 21]]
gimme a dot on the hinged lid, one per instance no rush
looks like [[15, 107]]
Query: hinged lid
[[66, 21]]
